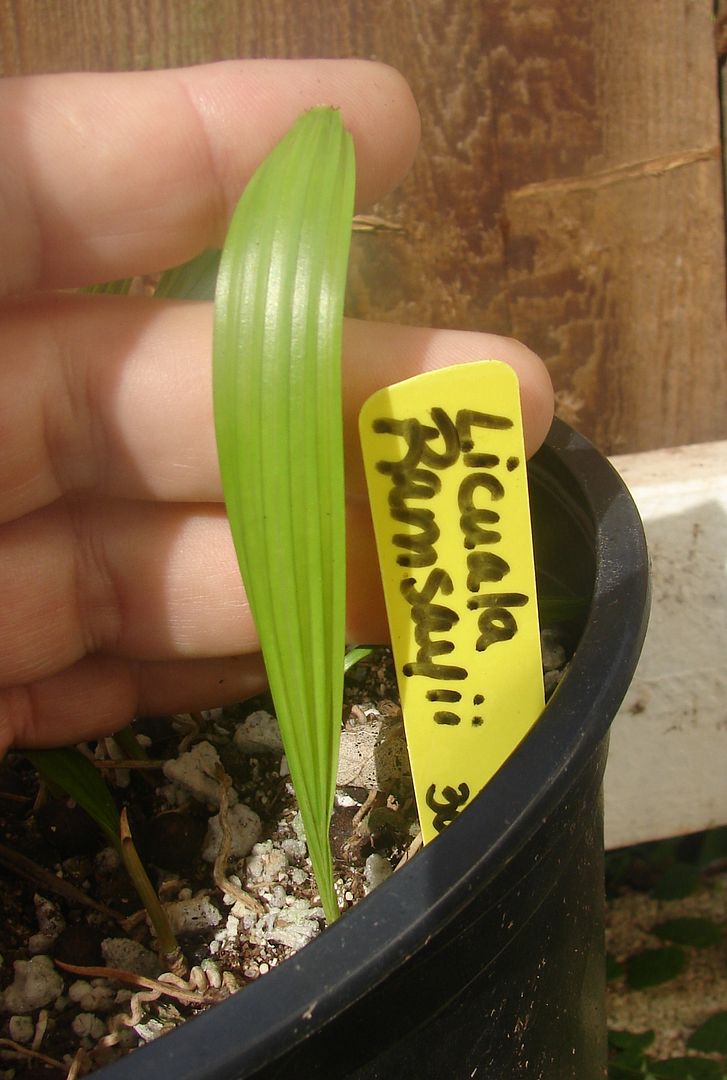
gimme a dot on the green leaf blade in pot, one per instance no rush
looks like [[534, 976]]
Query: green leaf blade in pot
[[277, 402]]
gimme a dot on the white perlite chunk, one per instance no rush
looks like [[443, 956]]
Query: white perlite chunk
[[40, 943], [48, 914], [213, 973], [295, 850], [197, 771], [50, 924], [92, 996], [36, 983], [266, 864], [151, 1030], [295, 926], [376, 870], [130, 956], [245, 831], [197, 913], [258, 734], [21, 1029], [88, 1026]]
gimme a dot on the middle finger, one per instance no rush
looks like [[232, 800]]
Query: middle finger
[[113, 395]]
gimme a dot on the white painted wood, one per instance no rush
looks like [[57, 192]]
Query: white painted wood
[[667, 768]]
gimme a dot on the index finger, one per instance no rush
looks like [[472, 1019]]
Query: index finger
[[113, 175]]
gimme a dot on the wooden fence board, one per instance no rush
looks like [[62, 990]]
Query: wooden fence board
[[568, 190]]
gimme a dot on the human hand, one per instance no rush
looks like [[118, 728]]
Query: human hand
[[119, 584]]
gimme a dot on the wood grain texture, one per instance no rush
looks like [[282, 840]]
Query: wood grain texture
[[568, 190]]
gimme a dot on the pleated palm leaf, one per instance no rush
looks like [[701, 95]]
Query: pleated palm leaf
[[278, 418]]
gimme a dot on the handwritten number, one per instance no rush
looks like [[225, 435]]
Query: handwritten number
[[446, 809]]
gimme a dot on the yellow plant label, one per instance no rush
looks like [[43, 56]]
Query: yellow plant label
[[445, 467]]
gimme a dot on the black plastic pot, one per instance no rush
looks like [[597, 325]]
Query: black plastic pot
[[484, 956]]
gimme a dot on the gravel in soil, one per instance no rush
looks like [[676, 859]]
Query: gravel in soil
[[674, 1009], [218, 828], [235, 920]]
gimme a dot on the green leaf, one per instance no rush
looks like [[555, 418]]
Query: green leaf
[[359, 652], [654, 966], [166, 941], [277, 402], [614, 968], [556, 609], [689, 931], [193, 280], [686, 1068], [711, 1036], [625, 1067], [678, 881], [129, 745], [630, 1040], [713, 846], [68, 769], [617, 1071]]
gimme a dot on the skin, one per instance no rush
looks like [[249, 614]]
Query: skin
[[119, 585]]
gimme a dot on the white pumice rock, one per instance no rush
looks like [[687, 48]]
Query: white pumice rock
[[196, 772], [227, 898], [197, 913], [151, 1029], [78, 990], [245, 831], [293, 937], [213, 973], [376, 870], [130, 956], [98, 996], [295, 926], [278, 896], [37, 982], [48, 914], [40, 943], [88, 1026], [258, 733], [21, 1029], [266, 864], [232, 927], [342, 799], [295, 850]]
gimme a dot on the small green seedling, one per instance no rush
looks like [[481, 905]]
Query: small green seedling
[[72, 772]]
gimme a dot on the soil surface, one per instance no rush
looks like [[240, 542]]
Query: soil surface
[[230, 863], [216, 823]]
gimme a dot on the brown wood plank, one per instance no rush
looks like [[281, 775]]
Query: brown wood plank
[[568, 190]]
